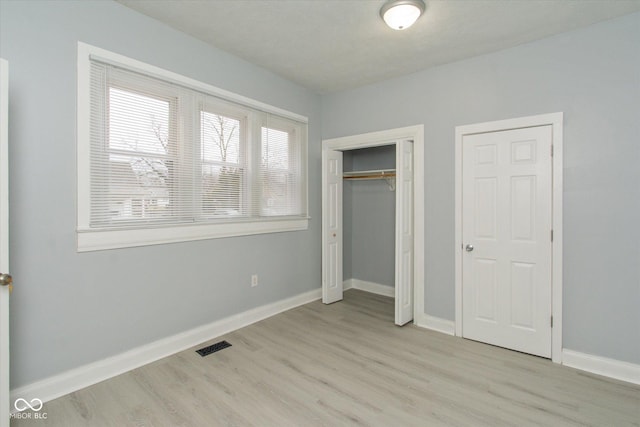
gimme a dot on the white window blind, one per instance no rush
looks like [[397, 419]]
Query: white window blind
[[279, 171], [224, 165], [140, 171], [165, 154]]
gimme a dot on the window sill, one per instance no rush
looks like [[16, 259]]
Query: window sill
[[96, 240]]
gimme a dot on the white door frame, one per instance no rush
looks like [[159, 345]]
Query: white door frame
[[386, 137], [5, 401], [555, 120]]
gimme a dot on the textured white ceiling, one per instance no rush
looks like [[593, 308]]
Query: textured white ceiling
[[332, 45]]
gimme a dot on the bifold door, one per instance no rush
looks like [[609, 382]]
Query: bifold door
[[404, 233], [331, 226]]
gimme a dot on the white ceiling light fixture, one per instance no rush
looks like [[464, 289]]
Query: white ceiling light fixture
[[401, 14]]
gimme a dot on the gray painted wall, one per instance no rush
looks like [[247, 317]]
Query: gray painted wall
[[70, 309], [369, 218], [593, 76], [382, 157]]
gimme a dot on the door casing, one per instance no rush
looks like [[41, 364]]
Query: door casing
[[386, 137], [556, 121]]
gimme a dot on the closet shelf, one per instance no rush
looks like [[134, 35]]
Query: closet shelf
[[387, 174]]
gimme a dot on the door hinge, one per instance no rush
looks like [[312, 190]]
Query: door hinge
[[552, 321], [552, 235], [551, 150]]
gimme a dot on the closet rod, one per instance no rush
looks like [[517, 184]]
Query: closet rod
[[370, 174], [388, 175], [377, 176]]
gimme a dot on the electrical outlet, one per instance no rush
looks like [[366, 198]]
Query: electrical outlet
[[254, 280]]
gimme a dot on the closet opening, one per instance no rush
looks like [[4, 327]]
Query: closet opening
[[368, 216], [367, 219]]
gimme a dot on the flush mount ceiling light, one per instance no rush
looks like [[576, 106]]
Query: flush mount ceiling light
[[401, 14]]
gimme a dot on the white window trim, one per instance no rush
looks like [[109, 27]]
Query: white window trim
[[91, 239]]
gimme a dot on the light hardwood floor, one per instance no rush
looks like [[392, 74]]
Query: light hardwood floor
[[348, 364]]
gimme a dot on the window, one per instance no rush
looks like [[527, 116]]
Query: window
[[162, 158], [132, 179], [279, 171], [224, 168]]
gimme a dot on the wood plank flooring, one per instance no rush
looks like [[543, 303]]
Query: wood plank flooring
[[348, 364]]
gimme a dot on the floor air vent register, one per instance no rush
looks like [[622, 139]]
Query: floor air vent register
[[205, 351]]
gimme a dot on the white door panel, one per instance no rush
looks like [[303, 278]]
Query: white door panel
[[404, 233], [331, 226], [4, 247], [506, 230]]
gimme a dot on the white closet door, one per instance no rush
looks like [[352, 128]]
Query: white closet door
[[404, 232], [331, 226]]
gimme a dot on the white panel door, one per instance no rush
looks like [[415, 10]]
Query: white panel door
[[331, 226], [4, 247], [404, 232], [506, 234]]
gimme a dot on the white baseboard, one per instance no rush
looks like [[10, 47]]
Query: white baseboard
[[374, 288], [84, 376], [612, 368], [436, 324]]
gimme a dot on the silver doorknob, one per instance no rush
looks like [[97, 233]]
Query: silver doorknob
[[469, 248], [5, 279]]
